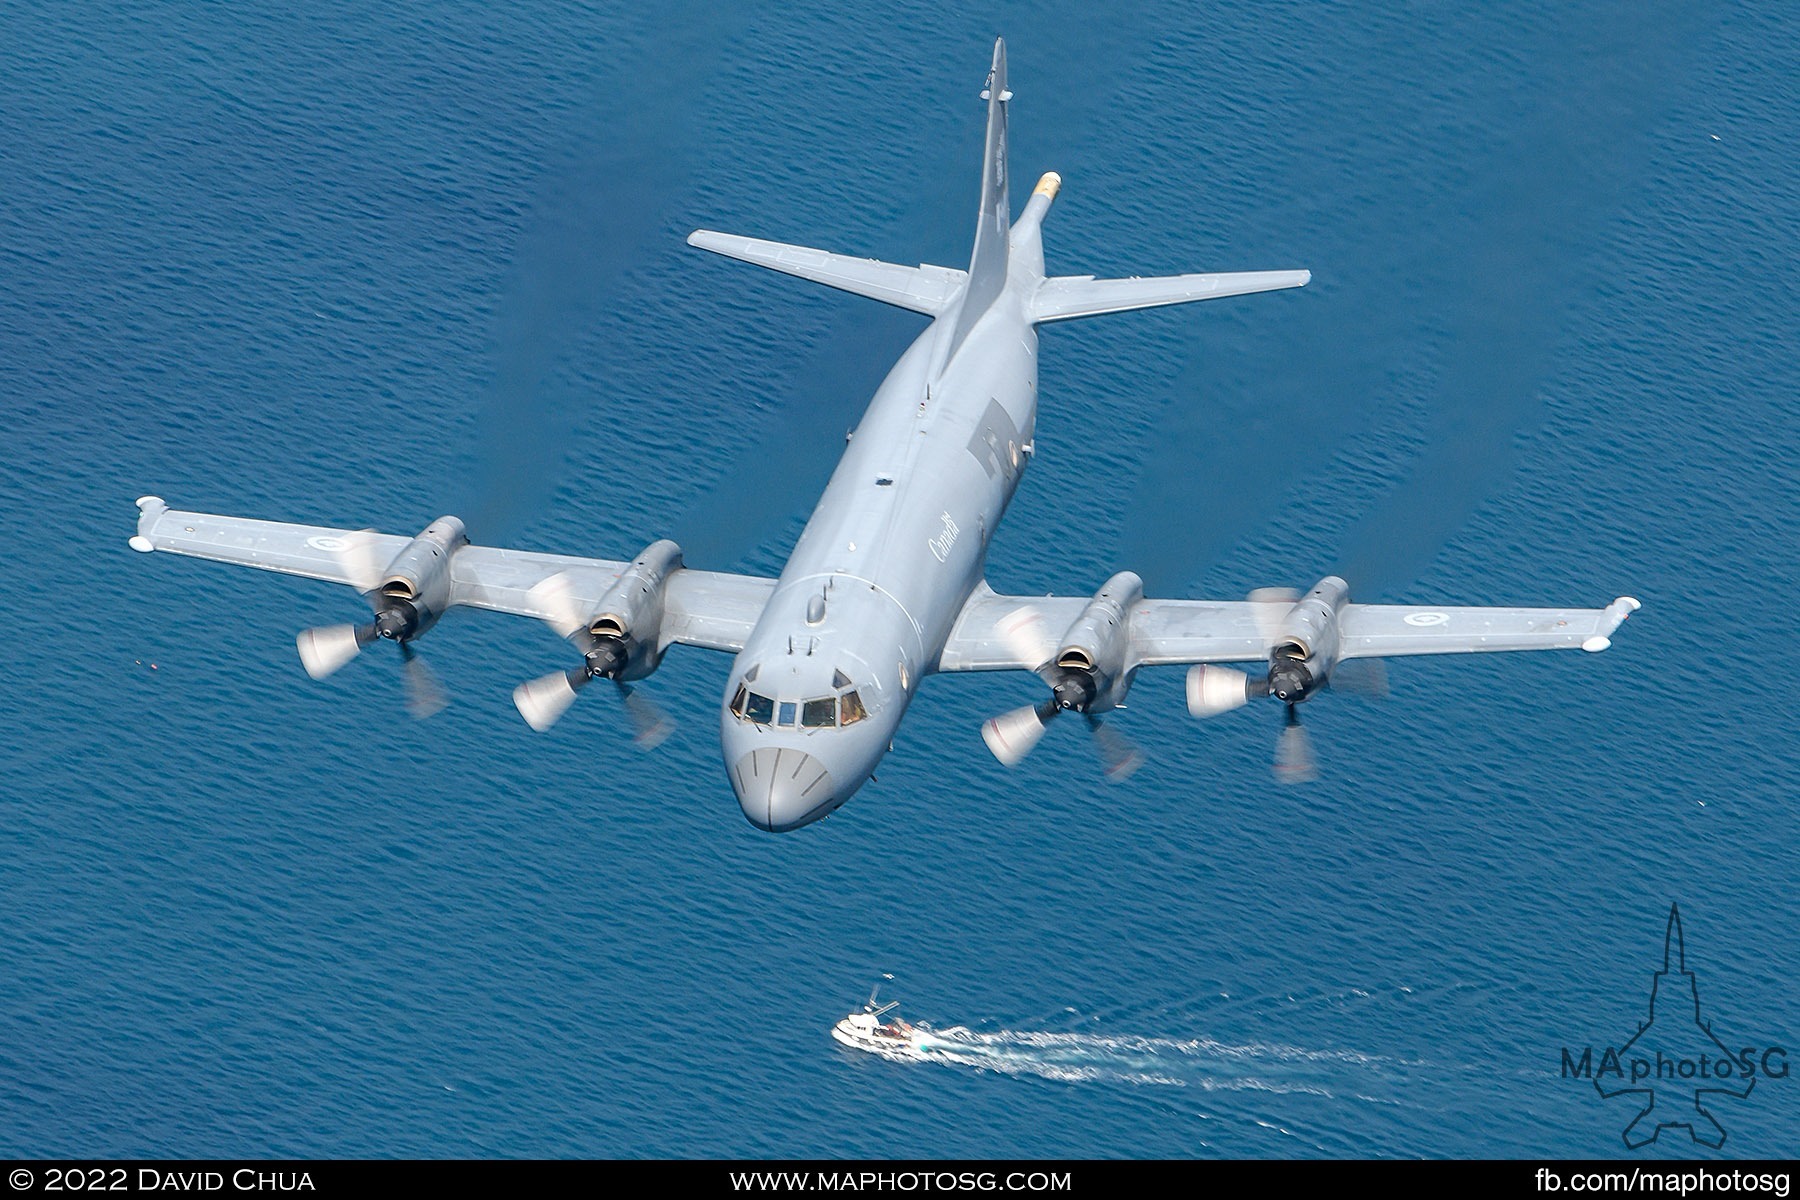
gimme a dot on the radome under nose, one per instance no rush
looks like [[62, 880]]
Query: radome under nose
[[781, 788]]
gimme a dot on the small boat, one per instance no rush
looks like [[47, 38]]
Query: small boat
[[865, 1030]]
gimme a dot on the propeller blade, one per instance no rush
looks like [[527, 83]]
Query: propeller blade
[[1294, 761], [1271, 605], [324, 650], [424, 694], [543, 701], [556, 597], [357, 555], [1027, 635], [1213, 690], [1365, 677], [1013, 735], [651, 724], [1122, 758]]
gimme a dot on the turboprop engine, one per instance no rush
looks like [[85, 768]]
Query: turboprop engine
[[1304, 648], [1306, 645], [408, 597], [620, 638], [1086, 671]]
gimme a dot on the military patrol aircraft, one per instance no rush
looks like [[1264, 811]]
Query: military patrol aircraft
[[886, 584]]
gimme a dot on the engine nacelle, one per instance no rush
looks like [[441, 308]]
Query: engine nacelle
[[1306, 645], [1089, 666], [630, 614], [416, 585]]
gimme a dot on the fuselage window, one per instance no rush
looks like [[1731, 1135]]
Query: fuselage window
[[788, 709], [819, 714], [760, 709], [852, 709]]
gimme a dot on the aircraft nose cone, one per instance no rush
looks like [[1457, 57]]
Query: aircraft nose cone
[[780, 788]]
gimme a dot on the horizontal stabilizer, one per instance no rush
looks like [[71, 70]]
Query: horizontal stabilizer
[[923, 289], [1070, 296]]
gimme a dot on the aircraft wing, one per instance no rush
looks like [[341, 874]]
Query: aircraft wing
[[701, 608], [1391, 630], [709, 609], [1000, 633], [1018, 633], [1196, 631]]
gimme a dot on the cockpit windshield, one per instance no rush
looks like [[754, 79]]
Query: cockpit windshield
[[760, 709], [815, 712]]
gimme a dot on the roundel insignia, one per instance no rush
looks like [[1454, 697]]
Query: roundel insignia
[[332, 544], [1427, 618]]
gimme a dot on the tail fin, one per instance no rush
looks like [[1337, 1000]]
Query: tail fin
[[926, 289], [987, 266]]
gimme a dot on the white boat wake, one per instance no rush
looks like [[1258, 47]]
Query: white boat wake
[[1202, 1063], [1169, 1062]]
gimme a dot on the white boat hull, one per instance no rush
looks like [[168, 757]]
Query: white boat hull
[[858, 1037]]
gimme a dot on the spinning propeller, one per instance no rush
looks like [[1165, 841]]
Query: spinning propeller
[[1292, 678], [605, 655], [397, 619], [1073, 688]]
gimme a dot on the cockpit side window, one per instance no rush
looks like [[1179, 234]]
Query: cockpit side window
[[737, 702], [760, 709], [819, 714], [851, 709]]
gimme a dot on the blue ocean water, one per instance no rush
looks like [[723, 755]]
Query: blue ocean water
[[369, 263]]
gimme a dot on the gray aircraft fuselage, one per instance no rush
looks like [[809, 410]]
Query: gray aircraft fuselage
[[893, 550]]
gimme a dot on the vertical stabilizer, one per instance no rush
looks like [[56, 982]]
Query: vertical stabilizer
[[987, 266]]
